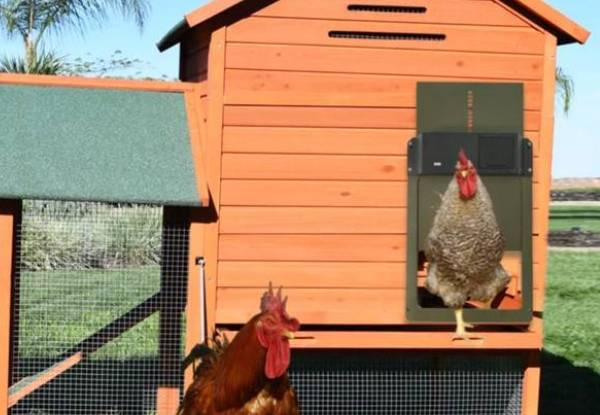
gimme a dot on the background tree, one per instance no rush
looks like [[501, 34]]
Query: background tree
[[34, 20], [565, 87]]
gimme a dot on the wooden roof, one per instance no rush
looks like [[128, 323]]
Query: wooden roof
[[69, 138], [213, 13]]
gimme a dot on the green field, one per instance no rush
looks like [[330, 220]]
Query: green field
[[564, 218], [59, 309], [571, 364]]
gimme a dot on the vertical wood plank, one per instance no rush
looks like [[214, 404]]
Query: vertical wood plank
[[194, 311], [545, 176], [531, 383], [216, 87], [173, 278], [10, 218]]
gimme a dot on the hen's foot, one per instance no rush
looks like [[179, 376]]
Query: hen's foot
[[461, 327]]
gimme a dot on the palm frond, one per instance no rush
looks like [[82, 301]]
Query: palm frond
[[565, 88], [45, 63], [59, 15]]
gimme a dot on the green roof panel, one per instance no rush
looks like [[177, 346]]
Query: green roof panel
[[95, 144]]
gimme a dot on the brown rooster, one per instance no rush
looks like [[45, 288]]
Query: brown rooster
[[465, 245], [250, 375]]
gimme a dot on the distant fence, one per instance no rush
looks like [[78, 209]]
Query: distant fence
[[569, 196]]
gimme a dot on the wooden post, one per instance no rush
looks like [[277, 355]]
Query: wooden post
[[195, 313], [172, 303], [214, 138], [531, 383], [10, 219]]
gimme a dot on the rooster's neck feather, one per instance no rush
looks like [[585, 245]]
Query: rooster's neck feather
[[240, 369]]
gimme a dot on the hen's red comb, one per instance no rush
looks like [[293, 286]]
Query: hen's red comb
[[462, 158], [271, 302]]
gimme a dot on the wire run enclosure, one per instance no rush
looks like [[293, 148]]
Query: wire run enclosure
[[97, 314]]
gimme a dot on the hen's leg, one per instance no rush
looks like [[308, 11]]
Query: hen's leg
[[461, 326]]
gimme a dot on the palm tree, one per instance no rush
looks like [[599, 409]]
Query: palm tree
[[32, 20], [565, 87]]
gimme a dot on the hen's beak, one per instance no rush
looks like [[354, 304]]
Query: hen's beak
[[464, 173], [288, 334]]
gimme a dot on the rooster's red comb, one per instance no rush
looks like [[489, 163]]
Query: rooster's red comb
[[271, 302], [462, 158]]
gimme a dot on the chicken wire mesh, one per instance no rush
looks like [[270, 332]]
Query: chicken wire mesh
[[86, 336], [330, 383]]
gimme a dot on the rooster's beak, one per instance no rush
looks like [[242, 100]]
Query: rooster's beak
[[464, 173], [288, 334]]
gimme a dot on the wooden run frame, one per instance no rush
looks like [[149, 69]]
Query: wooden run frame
[[10, 219]]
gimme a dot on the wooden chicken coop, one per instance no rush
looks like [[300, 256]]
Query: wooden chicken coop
[[294, 152], [308, 108]]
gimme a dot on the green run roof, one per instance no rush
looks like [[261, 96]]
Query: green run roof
[[95, 144]]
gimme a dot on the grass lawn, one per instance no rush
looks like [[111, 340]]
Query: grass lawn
[[59, 309], [571, 364], [564, 218]]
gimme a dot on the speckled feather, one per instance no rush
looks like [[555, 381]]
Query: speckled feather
[[464, 249]]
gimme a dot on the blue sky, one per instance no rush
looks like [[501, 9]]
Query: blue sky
[[577, 137]]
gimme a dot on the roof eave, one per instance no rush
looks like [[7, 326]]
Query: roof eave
[[566, 30], [173, 36]]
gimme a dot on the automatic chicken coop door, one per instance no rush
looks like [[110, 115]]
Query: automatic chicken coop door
[[486, 120]]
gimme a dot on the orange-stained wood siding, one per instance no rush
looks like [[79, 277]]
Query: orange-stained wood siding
[[315, 167], [310, 274], [312, 220], [10, 220], [377, 306], [342, 117], [313, 193], [319, 140], [447, 11], [285, 247], [269, 87], [312, 174], [457, 38], [384, 61]]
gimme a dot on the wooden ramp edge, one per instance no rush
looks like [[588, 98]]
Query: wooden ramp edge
[[31, 383]]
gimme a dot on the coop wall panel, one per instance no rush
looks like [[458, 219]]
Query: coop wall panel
[[96, 144], [316, 140], [384, 61], [269, 87], [377, 306], [387, 35], [449, 11], [313, 193], [312, 120], [340, 117], [369, 248], [312, 220], [316, 167], [310, 274]]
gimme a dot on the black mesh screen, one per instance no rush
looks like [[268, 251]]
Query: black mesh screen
[[394, 383], [86, 337]]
